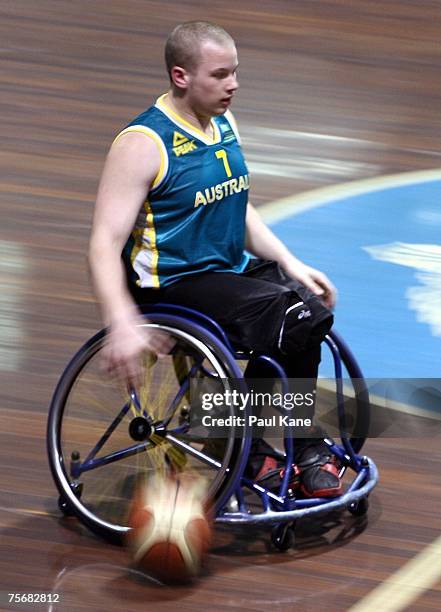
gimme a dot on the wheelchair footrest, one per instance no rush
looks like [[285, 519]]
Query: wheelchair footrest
[[308, 507]]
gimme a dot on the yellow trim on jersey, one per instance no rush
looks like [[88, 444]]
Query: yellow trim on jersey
[[152, 236], [149, 233], [186, 125], [163, 165]]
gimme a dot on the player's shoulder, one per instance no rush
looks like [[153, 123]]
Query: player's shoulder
[[136, 142], [134, 155]]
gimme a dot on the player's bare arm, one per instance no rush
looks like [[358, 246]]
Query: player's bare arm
[[130, 168], [261, 242]]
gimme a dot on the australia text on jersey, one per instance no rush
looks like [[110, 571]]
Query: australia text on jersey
[[222, 190]]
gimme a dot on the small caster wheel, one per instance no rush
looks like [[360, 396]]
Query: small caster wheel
[[359, 508], [282, 537], [64, 506]]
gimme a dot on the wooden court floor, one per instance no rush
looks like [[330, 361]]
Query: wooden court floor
[[331, 91]]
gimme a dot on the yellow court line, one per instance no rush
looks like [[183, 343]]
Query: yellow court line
[[295, 204], [406, 585]]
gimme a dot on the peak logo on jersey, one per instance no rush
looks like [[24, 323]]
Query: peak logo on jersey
[[222, 190], [179, 139], [182, 145]]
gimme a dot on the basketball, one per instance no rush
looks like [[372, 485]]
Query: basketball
[[170, 529]]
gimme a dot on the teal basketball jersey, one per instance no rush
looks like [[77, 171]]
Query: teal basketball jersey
[[194, 217]]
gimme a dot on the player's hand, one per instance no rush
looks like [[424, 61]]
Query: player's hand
[[125, 344], [316, 281]]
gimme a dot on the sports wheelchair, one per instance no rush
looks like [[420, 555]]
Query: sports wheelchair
[[102, 438]]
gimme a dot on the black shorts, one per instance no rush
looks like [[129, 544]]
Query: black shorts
[[260, 309]]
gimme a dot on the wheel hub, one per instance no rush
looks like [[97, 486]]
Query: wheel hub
[[140, 429]]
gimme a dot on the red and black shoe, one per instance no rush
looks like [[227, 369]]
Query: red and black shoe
[[269, 474], [264, 465], [315, 472], [318, 470]]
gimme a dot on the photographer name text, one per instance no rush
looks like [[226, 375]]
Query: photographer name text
[[276, 420]]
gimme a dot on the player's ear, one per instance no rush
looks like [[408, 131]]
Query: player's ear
[[179, 77]]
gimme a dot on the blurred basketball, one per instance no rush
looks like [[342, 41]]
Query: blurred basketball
[[170, 529]]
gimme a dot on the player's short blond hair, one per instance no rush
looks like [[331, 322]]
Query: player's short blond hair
[[184, 42]]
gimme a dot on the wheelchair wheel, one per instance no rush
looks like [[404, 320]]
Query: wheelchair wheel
[[283, 537], [102, 439]]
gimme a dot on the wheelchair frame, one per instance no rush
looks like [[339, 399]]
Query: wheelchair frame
[[281, 509]]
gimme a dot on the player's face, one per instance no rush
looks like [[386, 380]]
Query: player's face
[[213, 83]]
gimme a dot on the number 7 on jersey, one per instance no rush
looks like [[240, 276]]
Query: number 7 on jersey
[[221, 154]]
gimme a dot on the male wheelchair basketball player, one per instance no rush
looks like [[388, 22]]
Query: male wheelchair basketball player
[[173, 199]]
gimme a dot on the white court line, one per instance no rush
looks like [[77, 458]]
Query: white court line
[[14, 263], [382, 402], [27, 511], [293, 205], [406, 585]]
